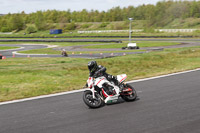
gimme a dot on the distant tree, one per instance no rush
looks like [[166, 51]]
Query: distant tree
[[4, 25], [40, 21], [64, 17], [54, 16], [140, 13], [16, 22], [96, 16], [177, 10], [84, 15], [195, 9], [157, 15]]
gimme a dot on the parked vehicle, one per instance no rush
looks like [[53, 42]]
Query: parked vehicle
[[131, 46]]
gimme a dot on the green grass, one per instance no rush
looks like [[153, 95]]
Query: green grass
[[45, 34], [7, 47], [28, 77], [41, 51], [55, 43], [139, 43]]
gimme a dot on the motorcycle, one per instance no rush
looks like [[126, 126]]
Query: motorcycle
[[64, 53], [101, 91]]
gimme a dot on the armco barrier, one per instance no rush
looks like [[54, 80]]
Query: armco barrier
[[137, 30]]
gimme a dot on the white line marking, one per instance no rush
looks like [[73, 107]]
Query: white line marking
[[48, 46], [140, 80], [40, 97], [75, 91], [16, 53]]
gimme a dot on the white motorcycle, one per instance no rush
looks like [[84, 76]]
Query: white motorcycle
[[103, 91]]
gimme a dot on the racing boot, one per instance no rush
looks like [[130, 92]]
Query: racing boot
[[117, 83]]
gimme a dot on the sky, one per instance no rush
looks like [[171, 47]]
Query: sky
[[17, 6]]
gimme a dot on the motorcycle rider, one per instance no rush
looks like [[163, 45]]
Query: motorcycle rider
[[98, 70]]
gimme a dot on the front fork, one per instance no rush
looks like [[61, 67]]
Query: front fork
[[93, 93]]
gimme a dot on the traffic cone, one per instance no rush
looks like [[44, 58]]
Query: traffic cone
[[3, 58]]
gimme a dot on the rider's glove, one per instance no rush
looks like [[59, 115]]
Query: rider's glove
[[96, 74]]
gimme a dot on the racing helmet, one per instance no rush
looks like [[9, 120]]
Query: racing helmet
[[92, 66]]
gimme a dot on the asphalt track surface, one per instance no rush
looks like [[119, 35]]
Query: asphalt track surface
[[165, 105], [9, 53]]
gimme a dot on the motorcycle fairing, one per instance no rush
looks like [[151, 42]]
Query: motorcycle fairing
[[90, 82], [100, 81], [121, 77]]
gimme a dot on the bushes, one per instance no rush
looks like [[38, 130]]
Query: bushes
[[84, 26], [149, 30], [31, 29], [103, 25], [5, 29], [71, 26]]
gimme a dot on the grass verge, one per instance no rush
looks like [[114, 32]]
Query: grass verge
[[51, 51], [6, 47], [139, 43], [28, 77], [104, 46]]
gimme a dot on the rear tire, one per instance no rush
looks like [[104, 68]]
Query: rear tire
[[90, 102], [131, 97]]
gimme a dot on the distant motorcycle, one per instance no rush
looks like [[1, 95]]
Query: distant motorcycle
[[64, 53], [103, 91]]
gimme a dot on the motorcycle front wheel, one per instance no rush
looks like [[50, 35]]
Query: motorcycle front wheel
[[130, 94], [90, 101]]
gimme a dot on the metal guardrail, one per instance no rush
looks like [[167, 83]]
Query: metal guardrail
[[176, 30], [108, 31], [139, 30]]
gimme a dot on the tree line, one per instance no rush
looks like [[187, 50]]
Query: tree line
[[156, 15]]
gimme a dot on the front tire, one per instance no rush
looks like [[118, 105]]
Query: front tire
[[90, 101], [129, 95]]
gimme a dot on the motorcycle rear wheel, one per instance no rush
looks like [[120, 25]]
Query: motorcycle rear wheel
[[127, 96], [90, 101]]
